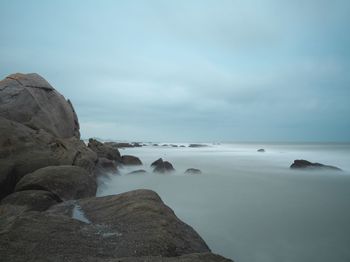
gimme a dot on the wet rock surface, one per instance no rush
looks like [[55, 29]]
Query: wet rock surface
[[307, 165], [128, 160]]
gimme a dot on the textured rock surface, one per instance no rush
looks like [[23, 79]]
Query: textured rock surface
[[36, 200], [66, 182], [32, 101], [161, 166], [133, 224], [131, 160], [104, 150], [304, 164]]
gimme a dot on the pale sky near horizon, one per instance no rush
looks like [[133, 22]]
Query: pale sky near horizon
[[187, 70]]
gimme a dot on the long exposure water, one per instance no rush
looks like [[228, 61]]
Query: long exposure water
[[250, 206]]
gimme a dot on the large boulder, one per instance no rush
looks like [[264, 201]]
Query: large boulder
[[66, 182], [32, 200], [24, 150], [304, 164], [128, 160], [132, 224], [104, 150], [32, 101]]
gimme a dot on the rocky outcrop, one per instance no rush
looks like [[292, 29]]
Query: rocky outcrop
[[137, 172], [24, 150], [104, 150], [32, 200], [66, 182], [133, 224], [193, 171], [29, 99], [105, 166], [261, 150], [304, 164], [161, 166], [128, 160], [197, 145]]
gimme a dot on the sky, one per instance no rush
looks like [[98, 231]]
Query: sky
[[188, 70]]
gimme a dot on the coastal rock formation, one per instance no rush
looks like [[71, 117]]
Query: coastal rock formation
[[105, 165], [161, 166], [137, 172], [66, 182], [261, 150], [197, 145], [132, 224], [193, 171], [128, 160], [104, 150], [32, 200], [24, 150], [29, 99], [304, 164]]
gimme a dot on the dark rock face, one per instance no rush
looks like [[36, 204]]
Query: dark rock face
[[137, 172], [197, 145], [66, 182], [193, 171], [29, 99], [133, 224], [104, 150], [304, 164], [24, 150], [32, 200], [261, 150], [161, 166], [131, 161], [105, 165]]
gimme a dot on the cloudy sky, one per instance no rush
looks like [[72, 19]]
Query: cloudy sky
[[187, 70]]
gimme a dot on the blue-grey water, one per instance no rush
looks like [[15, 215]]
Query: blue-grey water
[[250, 206]]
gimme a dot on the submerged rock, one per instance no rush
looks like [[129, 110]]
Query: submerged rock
[[193, 171], [304, 164], [161, 166], [197, 145], [128, 160], [261, 150], [29, 99], [137, 172], [66, 182]]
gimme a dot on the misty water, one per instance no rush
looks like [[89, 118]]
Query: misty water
[[250, 206]]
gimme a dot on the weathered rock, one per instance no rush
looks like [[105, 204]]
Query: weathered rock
[[32, 101], [157, 162], [24, 150], [304, 164], [105, 166], [116, 145], [128, 160], [104, 150], [193, 171], [161, 166], [261, 150], [137, 172], [67, 182], [34, 200], [133, 224]]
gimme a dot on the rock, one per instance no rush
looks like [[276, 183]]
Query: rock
[[182, 146], [261, 150], [33, 200], [195, 257], [193, 171], [137, 172], [161, 166], [29, 99], [128, 160], [129, 225], [173, 145], [104, 150], [118, 145], [304, 164], [155, 145], [136, 144], [105, 166], [24, 150], [197, 145], [66, 182], [157, 162]]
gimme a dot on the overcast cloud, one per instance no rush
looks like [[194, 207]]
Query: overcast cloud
[[220, 70]]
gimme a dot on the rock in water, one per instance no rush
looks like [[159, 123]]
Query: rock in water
[[193, 171], [161, 166], [131, 160], [304, 164], [104, 150], [157, 162], [66, 182], [29, 99], [137, 172], [261, 150]]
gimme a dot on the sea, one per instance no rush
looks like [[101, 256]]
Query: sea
[[248, 205]]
